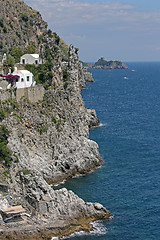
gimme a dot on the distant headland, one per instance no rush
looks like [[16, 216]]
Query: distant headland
[[103, 64]]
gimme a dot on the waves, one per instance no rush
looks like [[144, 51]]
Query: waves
[[103, 124], [98, 230]]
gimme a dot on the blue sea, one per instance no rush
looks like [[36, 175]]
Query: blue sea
[[127, 103]]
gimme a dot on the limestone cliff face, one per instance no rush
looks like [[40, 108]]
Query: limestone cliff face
[[50, 139], [19, 24], [53, 134]]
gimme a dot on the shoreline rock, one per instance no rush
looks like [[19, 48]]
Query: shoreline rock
[[55, 229], [103, 64], [77, 218]]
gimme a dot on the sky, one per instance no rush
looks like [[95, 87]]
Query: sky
[[126, 30]]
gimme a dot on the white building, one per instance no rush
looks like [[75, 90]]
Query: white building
[[24, 80], [31, 59]]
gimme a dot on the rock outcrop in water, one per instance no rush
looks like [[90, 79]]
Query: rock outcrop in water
[[103, 64], [47, 143]]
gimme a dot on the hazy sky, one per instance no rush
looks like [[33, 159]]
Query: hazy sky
[[127, 30]]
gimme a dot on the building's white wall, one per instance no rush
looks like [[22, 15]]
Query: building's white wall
[[29, 59], [25, 80], [24, 83]]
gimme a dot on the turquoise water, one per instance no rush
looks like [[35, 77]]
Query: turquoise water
[[127, 103]]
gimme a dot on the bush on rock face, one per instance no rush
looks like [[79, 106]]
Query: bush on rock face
[[16, 53], [4, 134], [5, 153], [2, 114], [9, 63]]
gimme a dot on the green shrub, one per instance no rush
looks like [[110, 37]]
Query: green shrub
[[31, 22], [65, 85], [42, 73], [24, 17], [43, 129], [59, 125], [19, 119], [4, 134], [16, 52], [16, 158], [57, 39], [4, 29], [26, 172], [18, 35], [10, 62], [6, 174], [2, 114], [1, 23], [50, 33], [42, 111], [5, 153], [30, 49], [54, 120], [1, 45], [65, 75], [76, 50]]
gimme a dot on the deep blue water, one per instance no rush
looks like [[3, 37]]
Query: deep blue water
[[128, 183]]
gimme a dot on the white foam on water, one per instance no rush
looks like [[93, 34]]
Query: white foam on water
[[98, 230], [111, 217], [103, 124], [78, 176], [61, 183]]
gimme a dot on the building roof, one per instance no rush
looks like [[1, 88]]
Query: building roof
[[35, 55], [14, 210], [21, 72]]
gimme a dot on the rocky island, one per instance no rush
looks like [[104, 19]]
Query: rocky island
[[103, 64], [44, 130]]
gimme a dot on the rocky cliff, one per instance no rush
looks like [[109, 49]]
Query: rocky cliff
[[103, 64], [43, 144], [22, 27], [19, 24], [49, 143]]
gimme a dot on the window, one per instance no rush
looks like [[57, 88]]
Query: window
[[23, 61], [36, 61], [27, 78], [22, 79]]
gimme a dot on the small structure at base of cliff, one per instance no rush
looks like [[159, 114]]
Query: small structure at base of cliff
[[103, 64], [12, 213]]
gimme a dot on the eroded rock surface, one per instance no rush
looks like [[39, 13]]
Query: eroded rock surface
[[49, 143]]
